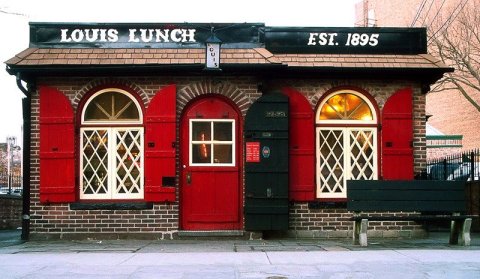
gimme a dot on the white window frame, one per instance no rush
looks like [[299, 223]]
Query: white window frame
[[112, 127], [347, 126], [120, 122], [212, 142], [111, 167], [346, 132], [340, 121]]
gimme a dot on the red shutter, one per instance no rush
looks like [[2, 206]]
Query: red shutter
[[57, 147], [397, 136], [160, 136], [301, 147]]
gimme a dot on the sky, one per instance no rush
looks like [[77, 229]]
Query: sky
[[15, 15]]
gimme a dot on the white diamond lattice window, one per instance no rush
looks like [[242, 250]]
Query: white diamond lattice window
[[111, 162], [346, 143]]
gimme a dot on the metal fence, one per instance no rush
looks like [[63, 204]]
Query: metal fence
[[11, 184], [463, 166]]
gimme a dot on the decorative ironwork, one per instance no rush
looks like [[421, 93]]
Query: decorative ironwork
[[462, 166]]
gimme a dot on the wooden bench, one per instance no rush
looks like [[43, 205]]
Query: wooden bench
[[434, 200]]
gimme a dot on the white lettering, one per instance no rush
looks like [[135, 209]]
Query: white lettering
[[174, 35], [322, 39], [132, 36], [77, 35], [112, 35], [311, 40], [373, 39], [145, 38], [103, 35], [331, 41], [64, 38], [356, 39], [190, 33], [91, 34], [162, 36]]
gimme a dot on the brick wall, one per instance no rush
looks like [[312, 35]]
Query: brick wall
[[452, 114], [161, 222], [328, 222], [10, 212], [439, 153], [58, 221]]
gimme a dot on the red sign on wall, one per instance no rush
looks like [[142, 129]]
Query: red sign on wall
[[252, 150]]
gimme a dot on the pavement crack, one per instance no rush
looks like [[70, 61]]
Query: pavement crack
[[268, 258], [127, 259], [410, 258]]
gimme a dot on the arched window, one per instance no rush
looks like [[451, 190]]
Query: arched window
[[346, 140], [346, 107], [111, 146]]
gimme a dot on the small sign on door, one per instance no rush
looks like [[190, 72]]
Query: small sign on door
[[252, 150]]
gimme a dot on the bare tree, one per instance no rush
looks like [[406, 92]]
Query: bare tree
[[455, 39]]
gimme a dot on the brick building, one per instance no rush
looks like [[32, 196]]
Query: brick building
[[452, 118], [138, 130]]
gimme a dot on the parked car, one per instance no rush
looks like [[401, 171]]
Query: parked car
[[462, 172], [437, 171], [3, 191], [17, 192]]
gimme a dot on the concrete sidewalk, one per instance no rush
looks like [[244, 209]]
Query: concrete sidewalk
[[279, 258]]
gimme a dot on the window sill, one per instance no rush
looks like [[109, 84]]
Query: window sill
[[111, 205]]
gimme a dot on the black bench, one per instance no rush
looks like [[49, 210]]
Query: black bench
[[433, 200]]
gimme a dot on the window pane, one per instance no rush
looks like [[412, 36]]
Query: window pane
[[361, 154], [128, 161], [201, 153], [351, 103], [346, 106], [329, 112], [201, 131], [99, 108], [111, 106], [223, 153], [222, 131], [124, 108], [362, 112], [95, 162], [331, 161]]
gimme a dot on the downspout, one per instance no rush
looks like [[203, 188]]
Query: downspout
[[26, 107]]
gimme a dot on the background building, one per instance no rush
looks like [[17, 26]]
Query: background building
[[453, 111]]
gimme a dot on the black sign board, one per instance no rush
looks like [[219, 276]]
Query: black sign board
[[327, 40], [362, 40], [143, 35]]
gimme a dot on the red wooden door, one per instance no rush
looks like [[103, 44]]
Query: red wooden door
[[397, 136], [210, 166]]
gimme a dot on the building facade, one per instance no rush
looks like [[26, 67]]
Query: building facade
[[156, 131]]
